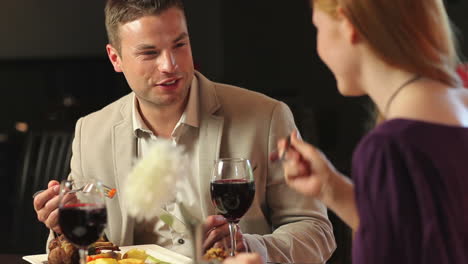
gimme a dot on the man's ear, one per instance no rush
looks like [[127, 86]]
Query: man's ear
[[114, 58], [349, 30]]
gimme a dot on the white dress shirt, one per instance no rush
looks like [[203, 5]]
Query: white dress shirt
[[185, 134]]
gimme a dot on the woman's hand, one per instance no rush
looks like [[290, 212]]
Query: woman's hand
[[306, 169], [309, 172]]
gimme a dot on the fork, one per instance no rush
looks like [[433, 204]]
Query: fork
[[276, 156], [108, 191], [286, 148]]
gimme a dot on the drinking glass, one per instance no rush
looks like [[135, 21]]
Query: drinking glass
[[82, 213], [232, 191]]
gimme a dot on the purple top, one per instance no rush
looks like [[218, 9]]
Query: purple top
[[411, 183]]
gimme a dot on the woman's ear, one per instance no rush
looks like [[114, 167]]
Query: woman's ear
[[349, 30]]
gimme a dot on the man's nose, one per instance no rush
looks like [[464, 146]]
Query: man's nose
[[167, 62]]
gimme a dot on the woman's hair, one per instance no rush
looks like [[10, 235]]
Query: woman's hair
[[118, 12], [414, 35]]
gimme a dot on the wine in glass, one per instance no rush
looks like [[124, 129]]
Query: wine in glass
[[232, 191], [82, 213]]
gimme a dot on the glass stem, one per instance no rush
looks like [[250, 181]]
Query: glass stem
[[83, 255], [232, 234]]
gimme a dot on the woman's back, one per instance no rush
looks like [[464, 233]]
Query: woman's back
[[411, 180]]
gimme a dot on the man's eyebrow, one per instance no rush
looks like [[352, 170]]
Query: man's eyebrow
[[180, 37], [145, 47], [149, 46]]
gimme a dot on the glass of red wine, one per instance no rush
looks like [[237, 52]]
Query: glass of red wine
[[232, 191], [82, 213]]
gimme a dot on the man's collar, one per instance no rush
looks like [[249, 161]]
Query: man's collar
[[192, 108], [137, 121]]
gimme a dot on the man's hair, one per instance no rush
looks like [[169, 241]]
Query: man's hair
[[119, 12]]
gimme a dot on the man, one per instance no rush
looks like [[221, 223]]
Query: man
[[149, 43]]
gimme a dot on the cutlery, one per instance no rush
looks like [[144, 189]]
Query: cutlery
[[275, 155], [108, 191], [288, 144]]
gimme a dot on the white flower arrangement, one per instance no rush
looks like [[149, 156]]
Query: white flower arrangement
[[153, 180]]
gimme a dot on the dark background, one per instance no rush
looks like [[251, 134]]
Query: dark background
[[53, 69]]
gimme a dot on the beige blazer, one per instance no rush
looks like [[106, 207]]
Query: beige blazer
[[281, 225]]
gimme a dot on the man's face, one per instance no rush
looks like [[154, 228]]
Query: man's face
[[156, 58]]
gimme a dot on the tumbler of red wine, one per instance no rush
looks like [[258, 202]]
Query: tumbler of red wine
[[232, 191], [82, 213]]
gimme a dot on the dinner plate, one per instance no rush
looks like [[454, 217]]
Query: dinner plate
[[153, 250]]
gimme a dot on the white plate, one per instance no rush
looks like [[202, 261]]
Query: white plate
[[153, 250]]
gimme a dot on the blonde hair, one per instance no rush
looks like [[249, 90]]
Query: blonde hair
[[414, 35]]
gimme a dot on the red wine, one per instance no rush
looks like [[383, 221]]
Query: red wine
[[232, 197], [82, 224]]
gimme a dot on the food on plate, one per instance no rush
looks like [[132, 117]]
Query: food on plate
[[152, 260], [99, 246], [110, 254], [131, 261], [132, 256], [135, 254], [215, 254], [102, 252], [139, 256], [63, 252], [104, 261]]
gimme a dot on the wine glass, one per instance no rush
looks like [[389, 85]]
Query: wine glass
[[82, 213], [232, 191]]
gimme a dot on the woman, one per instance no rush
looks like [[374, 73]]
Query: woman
[[409, 199]]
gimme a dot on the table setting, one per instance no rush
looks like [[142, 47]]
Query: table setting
[[83, 214]]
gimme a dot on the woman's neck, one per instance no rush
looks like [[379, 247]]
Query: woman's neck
[[384, 83], [422, 98]]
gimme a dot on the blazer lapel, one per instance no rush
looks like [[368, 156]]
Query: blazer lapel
[[210, 136], [124, 148], [210, 141]]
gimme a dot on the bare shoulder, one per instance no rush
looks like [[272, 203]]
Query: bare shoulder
[[434, 102], [461, 94], [458, 100]]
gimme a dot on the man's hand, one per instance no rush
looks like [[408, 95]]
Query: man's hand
[[216, 230], [46, 206]]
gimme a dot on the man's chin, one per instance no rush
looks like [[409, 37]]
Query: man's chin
[[166, 101]]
